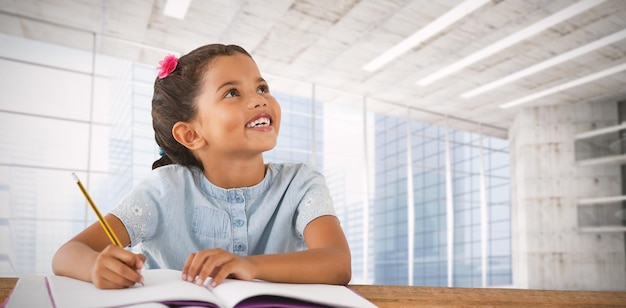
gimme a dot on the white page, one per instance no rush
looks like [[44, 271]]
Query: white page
[[231, 292], [30, 291], [159, 285]]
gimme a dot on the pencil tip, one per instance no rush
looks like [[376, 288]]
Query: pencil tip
[[75, 177]]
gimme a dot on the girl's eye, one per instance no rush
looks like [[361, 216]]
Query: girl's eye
[[231, 93], [263, 89]]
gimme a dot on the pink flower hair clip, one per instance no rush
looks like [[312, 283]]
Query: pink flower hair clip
[[167, 66]]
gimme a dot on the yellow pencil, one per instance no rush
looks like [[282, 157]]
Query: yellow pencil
[[103, 222]]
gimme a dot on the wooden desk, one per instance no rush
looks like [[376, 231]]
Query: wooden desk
[[403, 296], [6, 285]]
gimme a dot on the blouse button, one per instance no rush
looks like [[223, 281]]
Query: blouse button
[[238, 222], [240, 247]]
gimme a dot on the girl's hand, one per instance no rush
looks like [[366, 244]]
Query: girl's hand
[[117, 268], [216, 263]]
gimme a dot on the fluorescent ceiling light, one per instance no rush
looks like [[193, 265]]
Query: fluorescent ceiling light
[[452, 16], [525, 33], [176, 8], [565, 86], [610, 39]]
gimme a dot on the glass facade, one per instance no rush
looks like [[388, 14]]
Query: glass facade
[[421, 204], [433, 229]]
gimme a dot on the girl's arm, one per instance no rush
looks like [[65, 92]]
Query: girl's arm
[[327, 260], [90, 256]]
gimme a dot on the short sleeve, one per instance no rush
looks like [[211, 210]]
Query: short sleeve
[[316, 201], [138, 212]]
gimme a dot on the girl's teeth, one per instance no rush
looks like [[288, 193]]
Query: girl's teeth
[[259, 122]]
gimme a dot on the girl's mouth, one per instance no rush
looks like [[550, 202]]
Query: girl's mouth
[[259, 122]]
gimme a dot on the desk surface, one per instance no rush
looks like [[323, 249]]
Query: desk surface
[[403, 296], [6, 285]]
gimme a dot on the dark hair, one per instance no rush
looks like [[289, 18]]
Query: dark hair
[[174, 100]]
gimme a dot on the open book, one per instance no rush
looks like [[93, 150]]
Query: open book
[[165, 287]]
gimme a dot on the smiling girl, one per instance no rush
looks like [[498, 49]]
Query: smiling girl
[[212, 207]]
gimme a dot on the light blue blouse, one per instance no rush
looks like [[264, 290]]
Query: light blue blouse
[[177, 211]]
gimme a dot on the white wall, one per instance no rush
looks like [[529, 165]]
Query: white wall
[[549, 251]]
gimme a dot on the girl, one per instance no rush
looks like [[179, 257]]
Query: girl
[[212, 207]]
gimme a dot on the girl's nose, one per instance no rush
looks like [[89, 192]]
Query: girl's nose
[[256, 102]]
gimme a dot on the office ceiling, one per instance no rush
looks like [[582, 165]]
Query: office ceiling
[[327, 42]]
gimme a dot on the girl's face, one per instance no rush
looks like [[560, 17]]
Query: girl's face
[[237, 115]]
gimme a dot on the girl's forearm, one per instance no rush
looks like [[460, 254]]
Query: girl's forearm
[[74, 259], [323, 265]]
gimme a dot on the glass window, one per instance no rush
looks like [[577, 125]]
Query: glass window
[[43, 142], [44, 91]]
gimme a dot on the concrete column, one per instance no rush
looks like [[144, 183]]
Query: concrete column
[[549, 252]]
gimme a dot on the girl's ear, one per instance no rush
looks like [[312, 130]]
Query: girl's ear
[[186, 135]]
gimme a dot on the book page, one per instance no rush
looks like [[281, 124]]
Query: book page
[[160, 286], [30, 291], [232, 292]]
